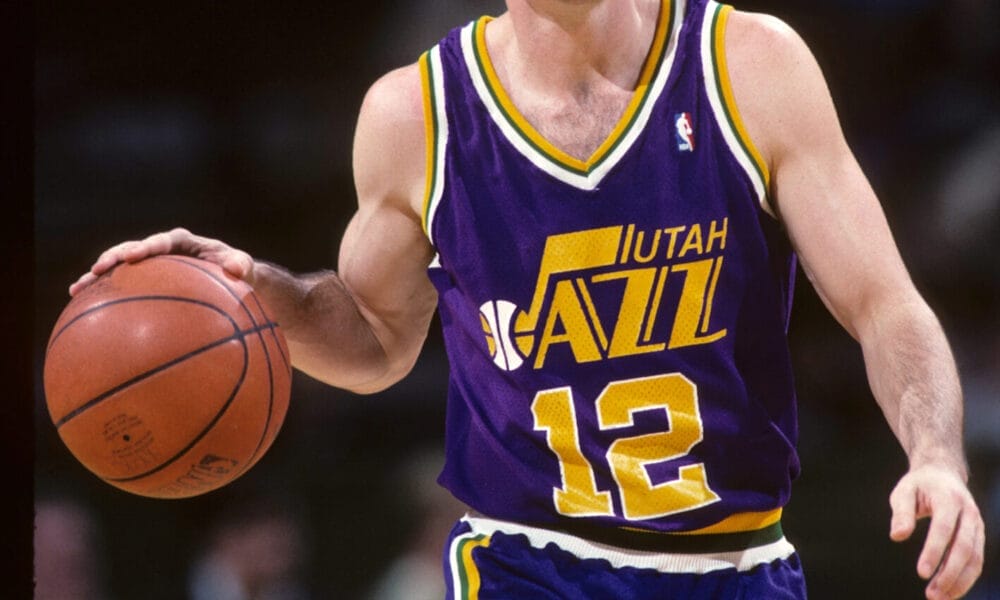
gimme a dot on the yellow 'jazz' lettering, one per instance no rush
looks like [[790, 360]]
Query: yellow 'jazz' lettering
[[563, 309], [566, 310], [692, 305], [628, 327], [566, 252]]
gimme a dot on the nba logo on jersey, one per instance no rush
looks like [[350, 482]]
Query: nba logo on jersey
[[685, 132]]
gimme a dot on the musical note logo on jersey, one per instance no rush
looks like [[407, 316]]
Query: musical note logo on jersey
[[613, 292], [685, 131]]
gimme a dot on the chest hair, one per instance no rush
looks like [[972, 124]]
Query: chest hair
[[580, 122]]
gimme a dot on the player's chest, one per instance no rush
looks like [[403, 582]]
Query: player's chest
[[579, 123]]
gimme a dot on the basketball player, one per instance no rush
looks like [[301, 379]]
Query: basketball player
[[604, 199]]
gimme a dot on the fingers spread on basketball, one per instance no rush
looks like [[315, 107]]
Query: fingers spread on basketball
[[80, 284], [125, 251], [177, 240], [239, 264], [180, 240], [164, 242], [114, 255], [174, 241], [128, 251]]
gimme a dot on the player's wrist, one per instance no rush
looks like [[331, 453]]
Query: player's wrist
[[940, 460]]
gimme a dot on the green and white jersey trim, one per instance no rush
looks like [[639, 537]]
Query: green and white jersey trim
[[436, 128], [582, 174], [720, 96]]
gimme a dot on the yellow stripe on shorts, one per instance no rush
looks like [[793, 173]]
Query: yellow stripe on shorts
[[464, 570]]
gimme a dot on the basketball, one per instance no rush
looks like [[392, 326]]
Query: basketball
[[168, 377]]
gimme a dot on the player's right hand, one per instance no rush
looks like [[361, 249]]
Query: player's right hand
[[176, 241]]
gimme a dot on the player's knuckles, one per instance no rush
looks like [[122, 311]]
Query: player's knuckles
[[972, 511], [110, 257], [958, 497], [131, 249], [239, 263], [182, 239], [243, 258], [212, 246], [159, 240], [228, 253], [179, 235], [115, 251]]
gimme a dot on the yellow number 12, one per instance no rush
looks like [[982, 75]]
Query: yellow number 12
[[628, 457]]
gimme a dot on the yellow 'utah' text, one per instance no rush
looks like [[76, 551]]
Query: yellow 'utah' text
[[645, 263]]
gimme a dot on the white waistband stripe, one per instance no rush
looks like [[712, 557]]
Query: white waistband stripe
[[620, 557]]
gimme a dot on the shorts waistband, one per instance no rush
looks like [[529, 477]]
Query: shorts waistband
[[668, 553], [680, 543]]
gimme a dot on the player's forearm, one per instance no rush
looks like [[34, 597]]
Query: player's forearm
[[328, 337], [913, 377]]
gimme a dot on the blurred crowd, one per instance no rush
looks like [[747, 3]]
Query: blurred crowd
[[235, 120]]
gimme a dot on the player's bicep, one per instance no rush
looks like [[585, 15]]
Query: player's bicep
[[831, 213], [840, 232], [383, 262], [384, 253]]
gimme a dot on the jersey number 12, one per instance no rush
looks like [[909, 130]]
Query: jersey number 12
[[628, 457]]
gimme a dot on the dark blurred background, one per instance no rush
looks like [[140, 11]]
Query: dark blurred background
[[235, 119]]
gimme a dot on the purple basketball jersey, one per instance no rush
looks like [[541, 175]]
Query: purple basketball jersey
[[616, 326]]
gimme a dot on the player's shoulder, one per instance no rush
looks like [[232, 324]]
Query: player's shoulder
[[389, 140], [764, 42], [396, 98], [778, 84]]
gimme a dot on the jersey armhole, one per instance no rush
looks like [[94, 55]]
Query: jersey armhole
[[720, 95], [436, 135]]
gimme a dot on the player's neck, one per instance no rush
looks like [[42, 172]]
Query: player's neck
[[558, 45]]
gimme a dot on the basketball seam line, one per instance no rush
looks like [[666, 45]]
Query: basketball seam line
[[239, 335], [271, 377], [104, 305], [201, 435], [267, 356]]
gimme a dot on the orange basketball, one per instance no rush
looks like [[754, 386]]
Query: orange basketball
[[168, 377]]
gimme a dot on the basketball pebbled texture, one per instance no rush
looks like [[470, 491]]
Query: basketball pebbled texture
[[168, 377]]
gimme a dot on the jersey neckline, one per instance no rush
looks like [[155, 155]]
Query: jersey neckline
[[585, 174]]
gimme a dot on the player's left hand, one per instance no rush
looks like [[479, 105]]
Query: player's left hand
[[952, 557]]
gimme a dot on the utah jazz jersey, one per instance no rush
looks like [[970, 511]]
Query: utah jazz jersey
[[616, 326]]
